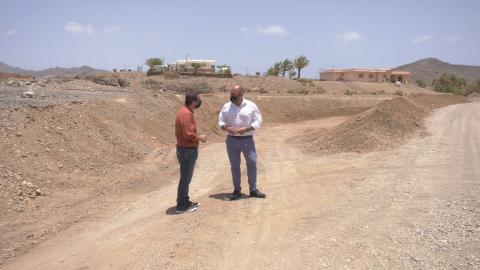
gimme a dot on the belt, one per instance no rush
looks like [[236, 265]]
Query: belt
[[240, 137], [191, 147]]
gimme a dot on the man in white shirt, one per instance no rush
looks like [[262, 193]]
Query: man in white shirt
[[240, 118]]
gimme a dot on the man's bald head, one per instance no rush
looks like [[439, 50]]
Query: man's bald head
[[236, 95], [237, 91]]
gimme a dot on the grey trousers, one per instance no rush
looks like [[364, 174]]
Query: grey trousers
[[245, 145]]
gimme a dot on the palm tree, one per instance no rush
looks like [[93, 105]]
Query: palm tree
[[270, 72], [299, 63], [278, 67], [275, 69], [286, 65], [292, 74]]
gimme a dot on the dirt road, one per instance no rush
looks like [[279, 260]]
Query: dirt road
[[413, 207]]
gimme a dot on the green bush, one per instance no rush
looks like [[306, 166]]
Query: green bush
[[151, 62], [421, 83], [449, 83], [473, 88]]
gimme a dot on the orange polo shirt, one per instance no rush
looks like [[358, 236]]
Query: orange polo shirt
[[186, 128]]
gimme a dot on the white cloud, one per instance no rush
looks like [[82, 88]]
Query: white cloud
[[11, 32], [112, 29], [151, 34], [452, 38], [277, 30], [78, 28], [420, 39], [273, 30], [349, 36]]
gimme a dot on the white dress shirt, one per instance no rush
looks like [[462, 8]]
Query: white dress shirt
[[245, 115]]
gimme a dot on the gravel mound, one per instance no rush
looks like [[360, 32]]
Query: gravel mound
[[385, 126]]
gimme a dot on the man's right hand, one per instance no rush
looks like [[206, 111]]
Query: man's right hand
[[202, 138], [232, 130]]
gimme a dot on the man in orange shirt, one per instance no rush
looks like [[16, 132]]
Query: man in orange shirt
[[187, 149]]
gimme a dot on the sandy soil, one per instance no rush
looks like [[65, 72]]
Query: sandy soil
[[65, 161], [414, 207]]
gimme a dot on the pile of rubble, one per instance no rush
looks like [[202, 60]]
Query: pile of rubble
[[110, 80], [56, 82], [25, 83]]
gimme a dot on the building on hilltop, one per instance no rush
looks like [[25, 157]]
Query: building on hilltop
[[366, 75], [185, 66]]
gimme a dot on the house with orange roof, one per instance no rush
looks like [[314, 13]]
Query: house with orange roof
[[365, 75]]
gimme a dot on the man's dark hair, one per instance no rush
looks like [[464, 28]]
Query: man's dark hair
[[190, 97]]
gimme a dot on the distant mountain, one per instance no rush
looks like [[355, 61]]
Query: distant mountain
[[431, 68], [57, 71], [4, 68]]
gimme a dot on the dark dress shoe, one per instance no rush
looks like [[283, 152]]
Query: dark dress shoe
[[257, 194], [235, 195]]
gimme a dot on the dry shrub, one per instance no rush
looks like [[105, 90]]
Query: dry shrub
[[199, 86], [170, 75]]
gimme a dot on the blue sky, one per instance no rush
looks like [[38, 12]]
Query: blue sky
[[245, 34]]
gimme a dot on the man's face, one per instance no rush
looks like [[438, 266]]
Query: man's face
[[236, 92], [197, 102]]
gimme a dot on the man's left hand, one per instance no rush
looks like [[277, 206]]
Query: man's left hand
[[242, 130]]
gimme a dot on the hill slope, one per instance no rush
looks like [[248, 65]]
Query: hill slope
[[56, 71], [4, 68], [431, 68]]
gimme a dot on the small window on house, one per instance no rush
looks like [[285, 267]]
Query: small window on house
[[370, 76], [360, 75]]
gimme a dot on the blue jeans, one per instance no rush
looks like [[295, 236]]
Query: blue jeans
[[245, 145], [187, 158]]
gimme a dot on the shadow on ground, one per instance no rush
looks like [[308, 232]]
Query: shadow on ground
[[171, 211], [226, 196]]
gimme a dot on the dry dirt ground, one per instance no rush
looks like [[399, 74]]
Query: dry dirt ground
[[413, 207], [61, 164], [88, 178]]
